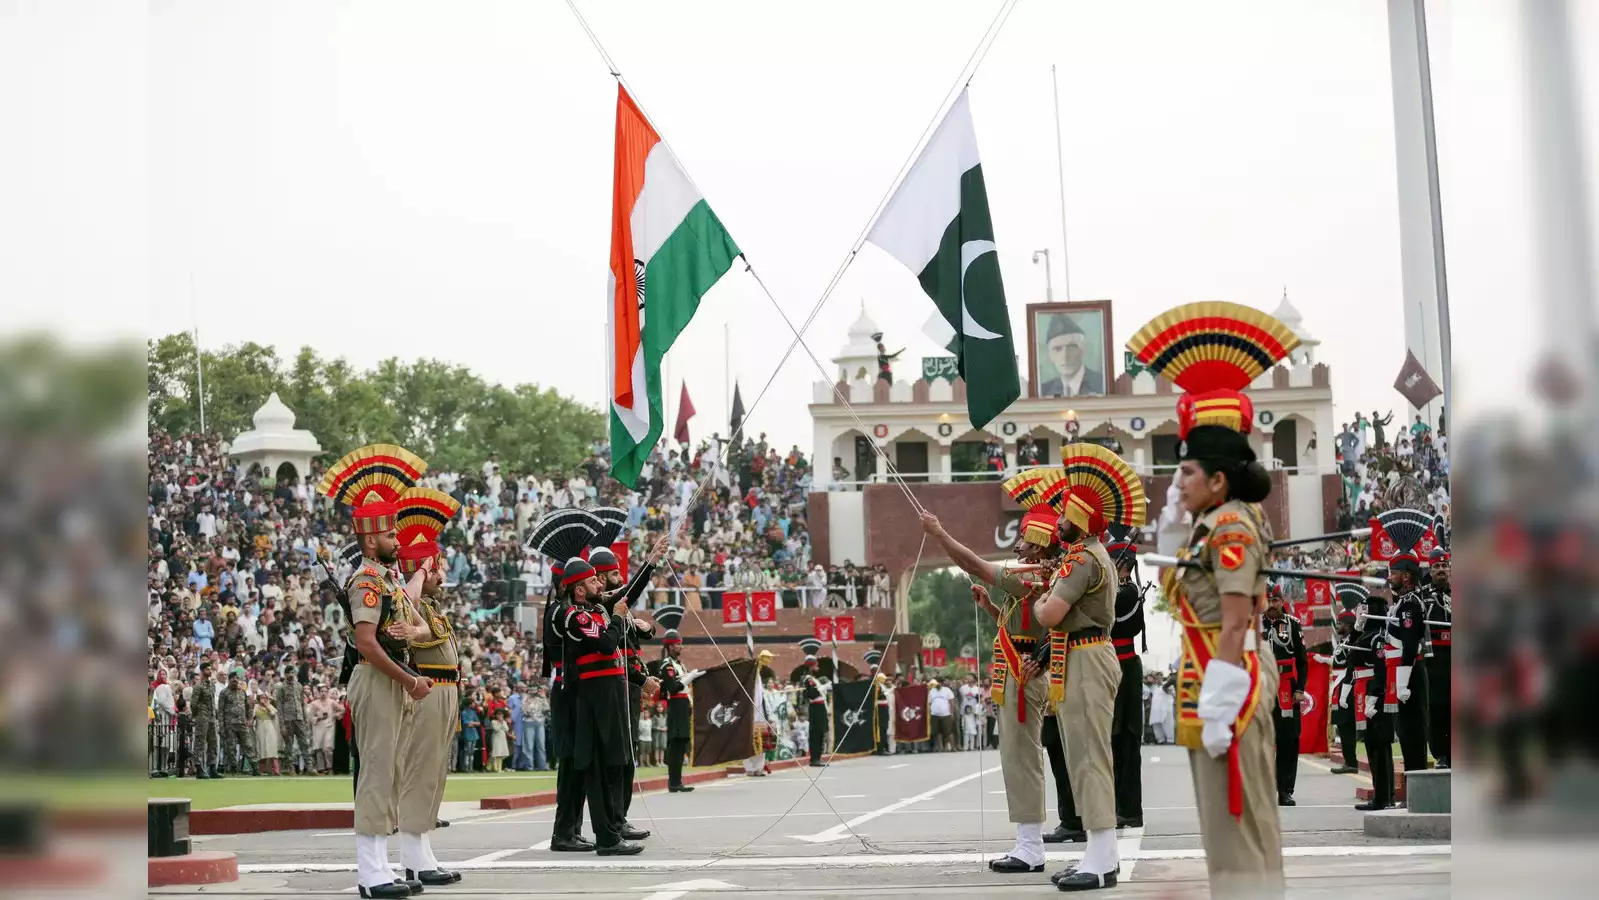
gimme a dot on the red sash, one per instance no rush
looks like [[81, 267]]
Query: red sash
[[1013, 665], [1287, 670], [1124, 648], [1390, 688], [1358, 698]]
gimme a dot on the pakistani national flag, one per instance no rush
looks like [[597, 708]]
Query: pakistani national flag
[[937, 224], [667, 250]]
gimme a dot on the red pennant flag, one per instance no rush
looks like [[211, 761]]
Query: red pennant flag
[[844, 629], [940, 658], [733, 611], [685, 411], [910, 713], [822, 630], [763, 607], [1382, 546], [1314, 709], [620, 550]]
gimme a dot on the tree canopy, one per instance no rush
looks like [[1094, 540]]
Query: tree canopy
[[442, 412], [941, 603]]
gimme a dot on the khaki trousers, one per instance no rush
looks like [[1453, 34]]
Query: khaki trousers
[[1021, 754], [1244, 855], [1084, 718], [377, 711], [426, 743]]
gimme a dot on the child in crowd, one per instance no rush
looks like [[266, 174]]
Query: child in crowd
[[499, 740], [646, 737]]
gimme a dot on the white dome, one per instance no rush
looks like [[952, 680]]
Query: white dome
[[858, 358], [1289, 315], [273, 416], [863, 329]]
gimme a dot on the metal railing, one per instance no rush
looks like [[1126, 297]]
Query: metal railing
[[788, 597], [1001, 474]]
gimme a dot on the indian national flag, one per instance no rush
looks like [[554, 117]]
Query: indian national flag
[[667, 250]]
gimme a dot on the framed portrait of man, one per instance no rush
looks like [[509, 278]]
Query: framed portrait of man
[[1069, 349]]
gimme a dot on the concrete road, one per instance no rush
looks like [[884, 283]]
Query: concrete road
[[896, 825]]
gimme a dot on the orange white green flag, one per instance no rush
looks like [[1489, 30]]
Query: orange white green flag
[[667, 249]]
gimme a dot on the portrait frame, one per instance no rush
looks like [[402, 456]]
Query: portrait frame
[[1093, 318]]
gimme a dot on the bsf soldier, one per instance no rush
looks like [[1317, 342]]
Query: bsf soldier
[[377, 664], [1213, 351], [813, 688], [1020, 656], [289, 697], [1440, 619], [238, 725], [1287, 639], [203, 715], [1127, 730], [600, 739], [639, 682], [428, 738], [1374, 700], [1094, 489]]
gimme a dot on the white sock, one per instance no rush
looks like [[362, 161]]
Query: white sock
[[411, 855], [1102, 854], [427, 852], [1029, 843], [372, 860]]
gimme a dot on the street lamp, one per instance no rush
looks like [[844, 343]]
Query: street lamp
[[1049, 280]]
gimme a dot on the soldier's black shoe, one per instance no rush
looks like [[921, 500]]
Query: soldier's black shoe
[[1441, 764], [410, 884], [818, 765], [1372, 806], [441, 823], [1345, 770], [630, 833], [432, 876], [1286, 800], [1083, 881], [1063, 835], [218, 775], [571, 845], [396, 889], [1129, 821], [680, 789], [621, 848], [1071, 870], [1010, 865]]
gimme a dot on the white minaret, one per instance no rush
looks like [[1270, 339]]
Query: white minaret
[[858, 360], [1288, 314]]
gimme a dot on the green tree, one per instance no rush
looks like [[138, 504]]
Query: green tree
[[441, 411], [941, 603]]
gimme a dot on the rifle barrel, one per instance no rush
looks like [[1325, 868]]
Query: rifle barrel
[[1331, 536]]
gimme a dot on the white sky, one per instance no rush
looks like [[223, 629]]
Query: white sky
[[433, 179]]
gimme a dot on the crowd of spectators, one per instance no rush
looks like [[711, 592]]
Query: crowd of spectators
[[231, 579]]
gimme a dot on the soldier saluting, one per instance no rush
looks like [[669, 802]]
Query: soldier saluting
[[675, 679]]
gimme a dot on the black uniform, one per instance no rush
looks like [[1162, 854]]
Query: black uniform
[[1439, 697], [679, 717], [1343, 717], [1127, 725], [816, 711], [880, 697], [570, 795], [1410, 630], [1287, 639], [600, 735], [636, 675], [1368, 658]]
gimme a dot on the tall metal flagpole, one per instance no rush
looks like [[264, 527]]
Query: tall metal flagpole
[[727, 365], [199, 358], [1060, 165]]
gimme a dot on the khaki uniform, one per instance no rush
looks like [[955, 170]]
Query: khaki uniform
[[238, 730], [1243, 854], [1021, 754], [289, 697], [1087, 580], [377, 705], [429, 733]]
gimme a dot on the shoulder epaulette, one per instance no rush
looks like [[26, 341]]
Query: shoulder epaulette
[[1227, 518]]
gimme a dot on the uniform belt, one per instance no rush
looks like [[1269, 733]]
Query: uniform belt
[[602, 673], [1083, 634], [1079, 643], [1024, 640], [1365, 673], [590, 658], [822, 700], [440, 674], [1124, 648], [677, 696], [1121, 642]]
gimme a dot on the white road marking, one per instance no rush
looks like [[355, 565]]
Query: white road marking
[[541, 845], [679, 888], [1361, 777], [499, 854], [851, 860], [849, 796], [838, 832], [898, 766], [1154, 759]]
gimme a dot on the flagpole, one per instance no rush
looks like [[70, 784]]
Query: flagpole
[[1060, 168], [199, 358], [727, 365]]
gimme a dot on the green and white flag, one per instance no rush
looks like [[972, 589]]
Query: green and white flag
[[937, 225]]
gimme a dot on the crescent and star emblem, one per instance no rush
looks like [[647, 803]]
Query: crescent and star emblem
[[851, 718], [910, 714], [971, 251], [721, 715]]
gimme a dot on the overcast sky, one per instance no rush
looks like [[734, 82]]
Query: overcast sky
[[434, 179]]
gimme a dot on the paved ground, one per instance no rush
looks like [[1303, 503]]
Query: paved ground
[[921, 825]]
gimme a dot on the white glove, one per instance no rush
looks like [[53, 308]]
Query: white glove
[[1403, 682], [689, 678], [1343, 696], [1221, 699], [1371, 707]]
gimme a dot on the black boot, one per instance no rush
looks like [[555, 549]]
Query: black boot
[[630, 833], [395, 889], [1083, 881], [1286, 800], [1063, 835], [680, 789], [1010, 865], [1129, 821], [432, 876], [621, 848], [571, 844]]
